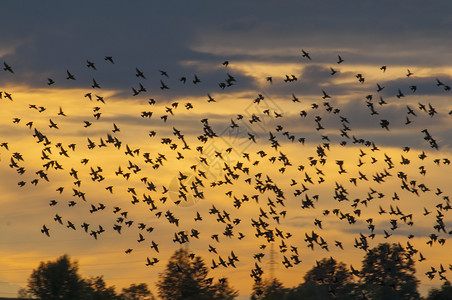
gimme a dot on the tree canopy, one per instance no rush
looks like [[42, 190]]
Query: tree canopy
[[60, 280], [137, 292], [57, 280], [444, 293], [268, 289], [97, 289], [387, 273], [186, 277], [329, 278]]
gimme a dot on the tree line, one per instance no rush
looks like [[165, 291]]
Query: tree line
[[387, 272], [60, 279]]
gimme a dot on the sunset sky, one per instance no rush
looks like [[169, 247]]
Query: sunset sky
[[192, 39]]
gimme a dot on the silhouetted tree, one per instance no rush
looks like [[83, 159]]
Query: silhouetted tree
[[23, 293], [388, 273], [136, 292], [60, 280], [223, 291], [328, 279], [308, 291], [268, 289], [186, 277], [331, 279], [96, 289], [445, 293], [57, 280]]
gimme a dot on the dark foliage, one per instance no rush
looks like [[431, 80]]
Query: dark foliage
[[57, 280], [387, 273], [445, 293], [187, 278]]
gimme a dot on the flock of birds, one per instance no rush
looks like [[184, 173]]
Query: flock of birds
[[257, 176]]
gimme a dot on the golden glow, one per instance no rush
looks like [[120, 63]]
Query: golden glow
[[27, 208]]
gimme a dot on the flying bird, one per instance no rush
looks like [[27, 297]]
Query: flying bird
[[69, 76], [45, 230], [139, 73], [109, 59], [7, 68], [90, 64], [305, 54], [245, 153]]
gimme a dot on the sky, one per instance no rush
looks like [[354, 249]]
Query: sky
[[258, 39]]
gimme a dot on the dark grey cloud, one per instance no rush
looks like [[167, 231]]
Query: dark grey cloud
[[48, 38]]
